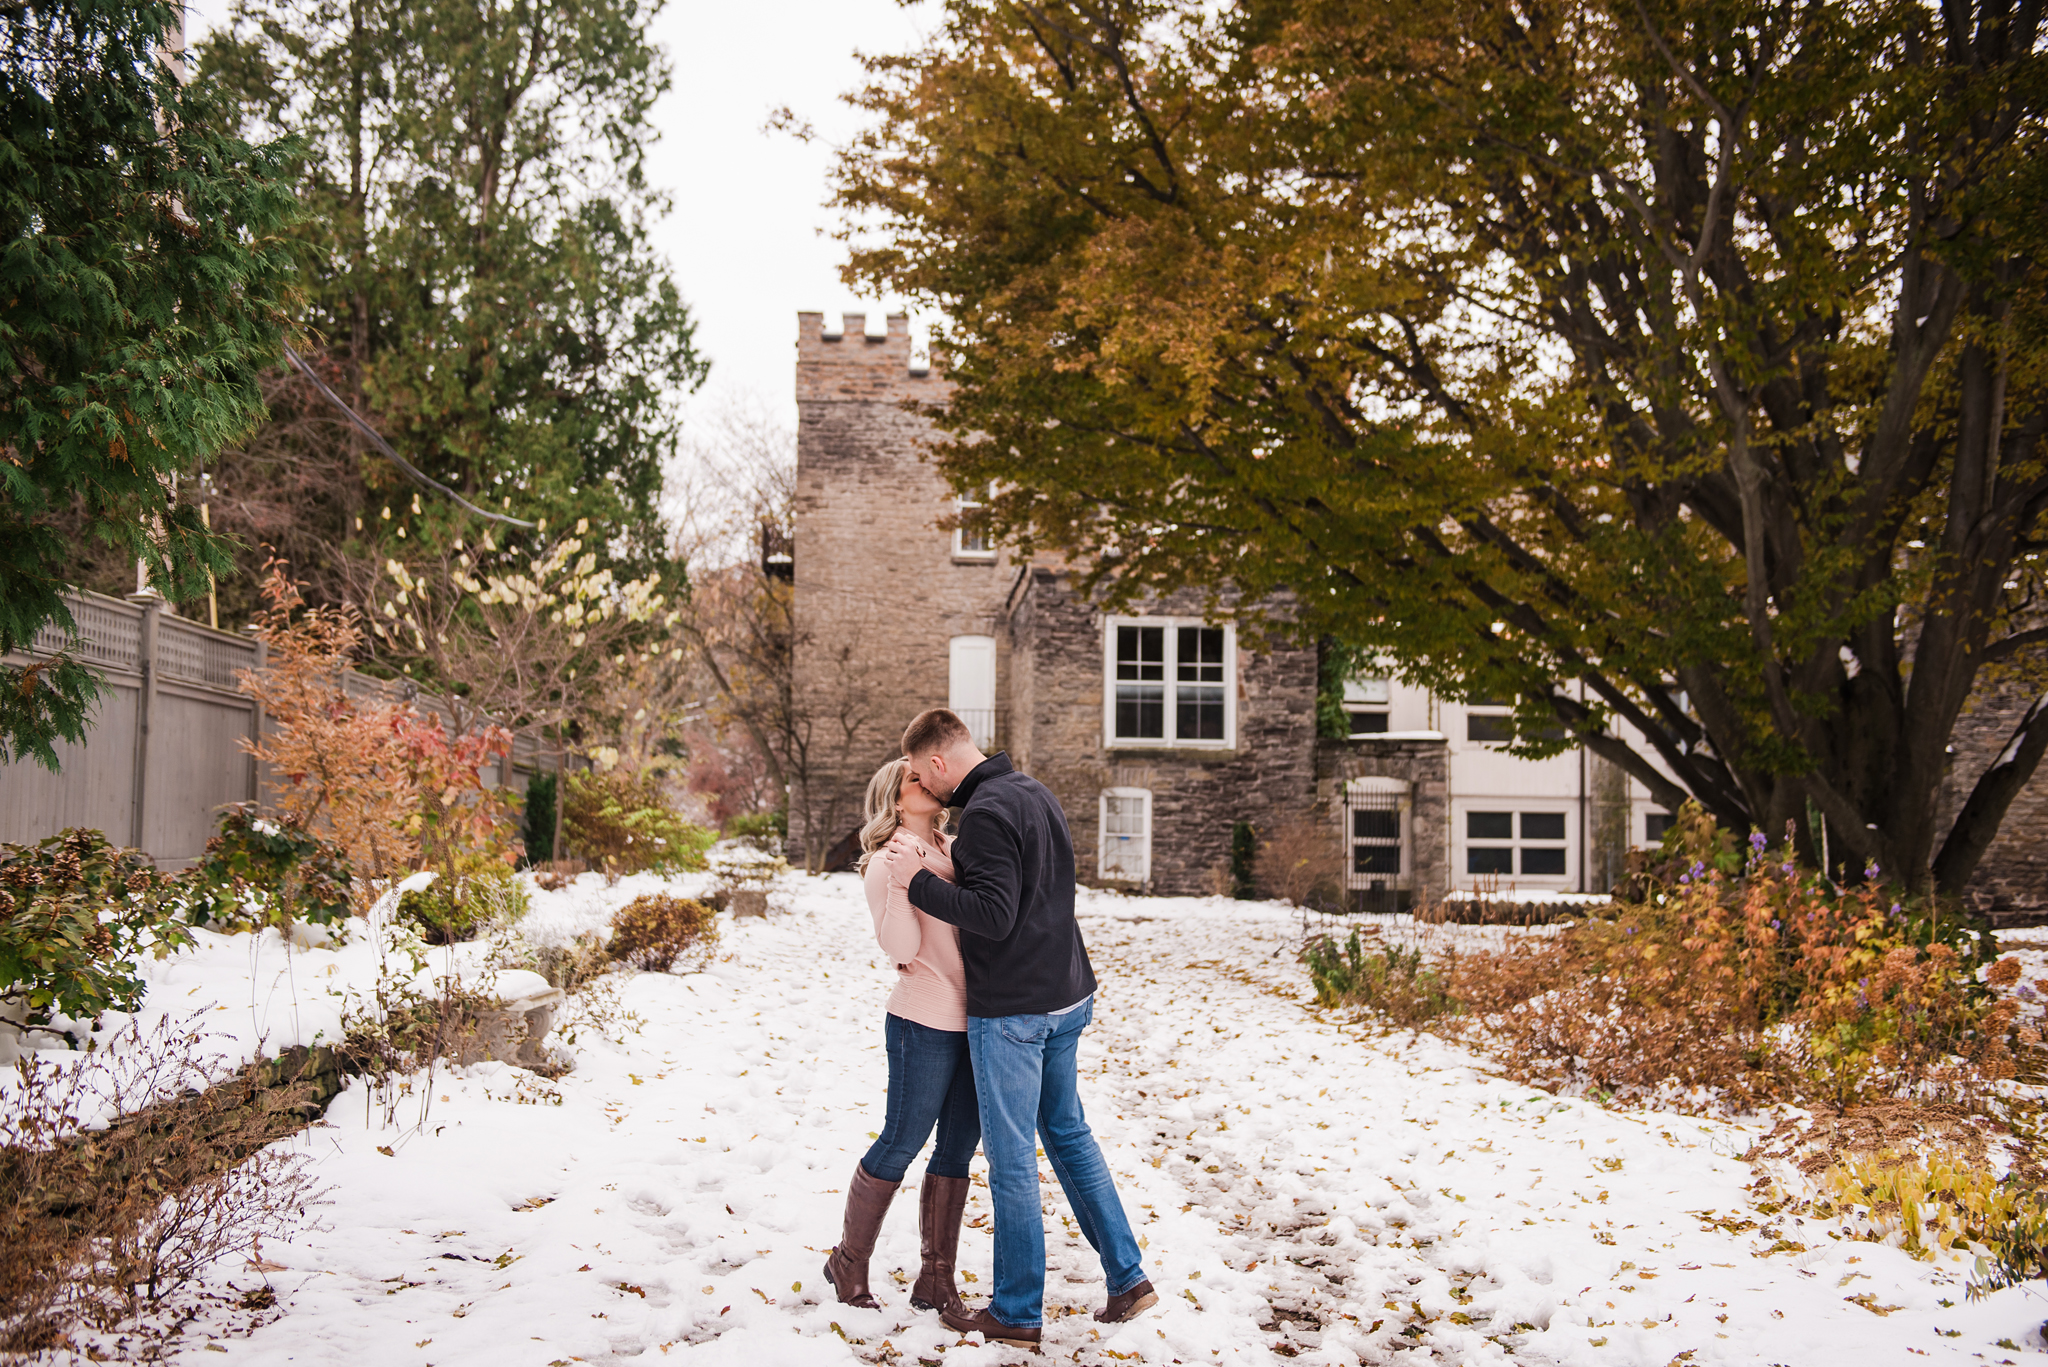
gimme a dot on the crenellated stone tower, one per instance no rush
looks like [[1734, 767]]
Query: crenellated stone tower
[[894, 613]]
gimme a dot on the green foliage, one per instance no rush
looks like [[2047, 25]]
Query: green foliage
[[2016, 1240], [447, 910], [1244, 858], [487, 284], [768, 831], [276, 861], [75, 912], [621, 823], [143, 286], [1615, 358], [537, 820], [1393, 981], [651, 932], [1336, 663]]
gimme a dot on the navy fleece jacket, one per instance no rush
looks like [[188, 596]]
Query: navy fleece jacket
[[1012, 896]]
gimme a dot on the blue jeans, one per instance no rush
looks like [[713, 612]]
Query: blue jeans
[[1024, 1071], [931, 1083]]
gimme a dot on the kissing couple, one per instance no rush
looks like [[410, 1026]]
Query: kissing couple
[[993, 990]]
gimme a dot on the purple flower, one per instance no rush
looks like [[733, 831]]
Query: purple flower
[[1789, 869], [1774, 923], [1683, 879], [1756, 842], [1870, 870]]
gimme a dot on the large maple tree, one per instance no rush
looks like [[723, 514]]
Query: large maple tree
[[1675, 367]]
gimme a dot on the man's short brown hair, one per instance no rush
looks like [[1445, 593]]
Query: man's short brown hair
[[933, 730]]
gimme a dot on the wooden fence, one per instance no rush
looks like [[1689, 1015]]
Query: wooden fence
[[163, 752]]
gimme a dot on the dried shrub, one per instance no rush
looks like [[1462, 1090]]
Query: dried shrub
[[572, 965], [1769, 984], [652, 932], [125, 1173], [265, 870], [1394, 980], [555, 874], [336, 765], [621, 823], [75, 913], [1302, 863]]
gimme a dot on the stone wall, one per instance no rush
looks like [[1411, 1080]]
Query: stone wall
[[1425, 766], [1198, 795], [878, 591]]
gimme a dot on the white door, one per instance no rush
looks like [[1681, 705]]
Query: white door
[[972, 686]]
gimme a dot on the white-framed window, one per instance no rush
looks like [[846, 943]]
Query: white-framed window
[[971, 685], [1169, 681], [1367, 704], [1125, 844], [1517, 844], [1655, 824], [1490, 721], [972, 543]]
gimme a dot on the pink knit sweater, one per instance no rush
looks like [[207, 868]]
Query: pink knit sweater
[[931, 985]]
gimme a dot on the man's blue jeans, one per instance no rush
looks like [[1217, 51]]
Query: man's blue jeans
[[1025, 1076]]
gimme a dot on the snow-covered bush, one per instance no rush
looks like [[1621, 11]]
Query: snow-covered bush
[[486, 893], [75, 913], [126, 1173], [260, 869]]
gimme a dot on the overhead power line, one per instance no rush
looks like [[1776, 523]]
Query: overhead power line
[[418, 476]]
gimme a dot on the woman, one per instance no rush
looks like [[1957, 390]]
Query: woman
[[931, 1082]]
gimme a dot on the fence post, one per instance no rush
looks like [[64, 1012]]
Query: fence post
[[256, 724], [151, 604]]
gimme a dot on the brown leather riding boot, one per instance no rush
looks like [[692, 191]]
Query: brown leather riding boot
[[867, 1201], [940, 1203]]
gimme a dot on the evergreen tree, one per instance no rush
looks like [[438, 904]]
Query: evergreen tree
[[143, 287], [478, 266]]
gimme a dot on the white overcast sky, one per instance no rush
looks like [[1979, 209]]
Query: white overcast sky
[[745, 236]]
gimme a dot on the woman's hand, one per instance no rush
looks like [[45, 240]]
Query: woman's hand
[[905, 854]]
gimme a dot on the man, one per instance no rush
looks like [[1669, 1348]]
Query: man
[[1030, 994]]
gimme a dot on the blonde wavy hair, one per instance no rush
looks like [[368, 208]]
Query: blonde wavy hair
[[879, 808]]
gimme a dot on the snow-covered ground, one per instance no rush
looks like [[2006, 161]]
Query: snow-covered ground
[[1304, 1186]]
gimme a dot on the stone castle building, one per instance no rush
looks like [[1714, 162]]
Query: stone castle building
[[1161, 733]]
